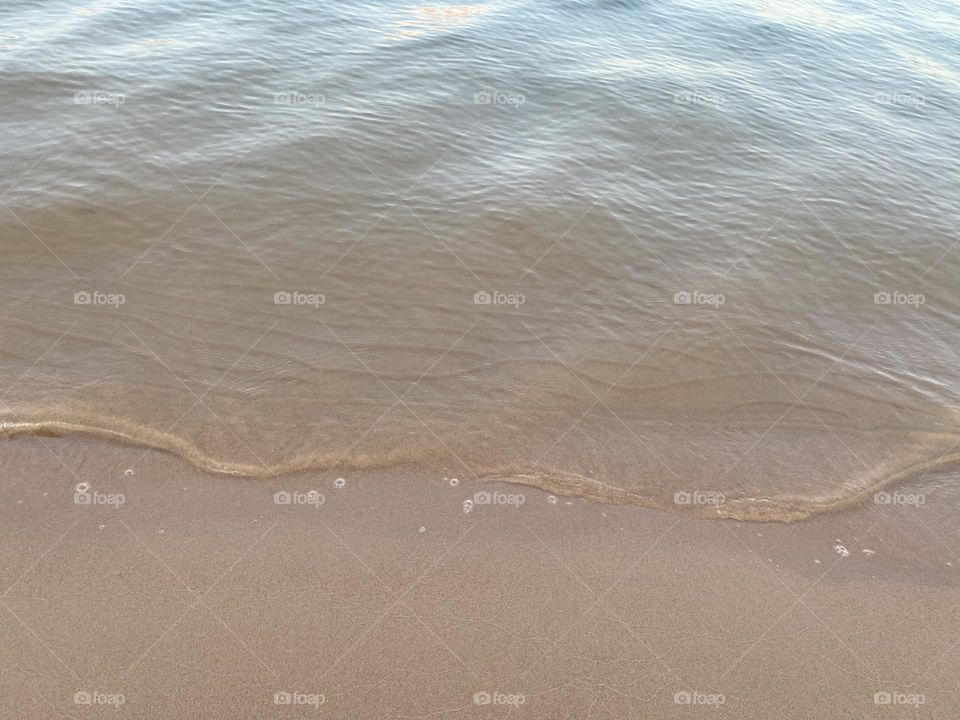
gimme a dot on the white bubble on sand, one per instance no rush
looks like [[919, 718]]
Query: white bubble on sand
[[422, 529], [841, 550], [552, 499], [339, 482], [454, 482], [83, 487], [467, 506]]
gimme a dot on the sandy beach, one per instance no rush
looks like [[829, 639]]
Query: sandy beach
[[174, 593]]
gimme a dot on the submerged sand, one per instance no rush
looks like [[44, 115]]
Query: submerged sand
[[198, 596]]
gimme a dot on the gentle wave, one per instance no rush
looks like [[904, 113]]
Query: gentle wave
[[783, 509], [701, 247]]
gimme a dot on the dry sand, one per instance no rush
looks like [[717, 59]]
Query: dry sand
[[200, 597]]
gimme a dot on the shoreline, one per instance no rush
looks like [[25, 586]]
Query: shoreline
[[785, 509]]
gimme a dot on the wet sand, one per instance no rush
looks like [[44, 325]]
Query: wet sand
[[200, 597]]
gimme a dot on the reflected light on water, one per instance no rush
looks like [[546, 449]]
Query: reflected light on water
[[432, 18]]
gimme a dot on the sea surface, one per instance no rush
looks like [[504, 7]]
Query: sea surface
[[697, 256]]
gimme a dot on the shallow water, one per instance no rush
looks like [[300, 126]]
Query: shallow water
[[717, 242]]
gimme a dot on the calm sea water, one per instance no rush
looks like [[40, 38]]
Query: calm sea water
[[701, 256]]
